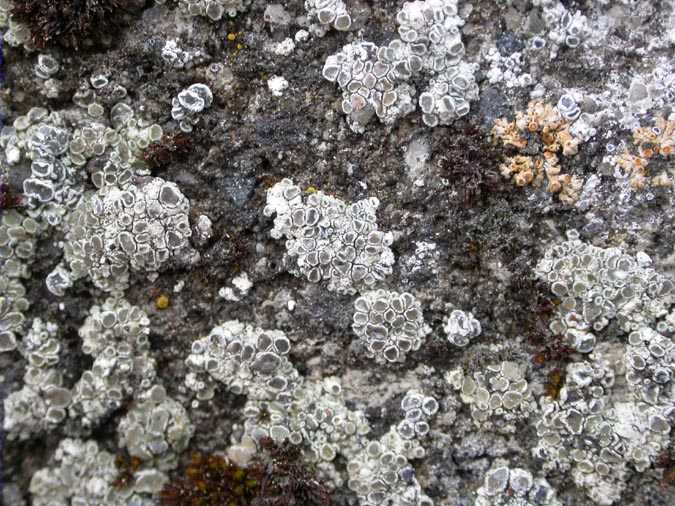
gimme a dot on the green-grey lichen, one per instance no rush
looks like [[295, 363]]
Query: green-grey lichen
[[513, 486], [310, 413], [499, 395], [156, 428], [18, 236], [650, 364], [390, 324], [137, 227], [328, 239], [418, 409], [329, 13], [116, 335], [598, 285], [42, 403], [245, 359], [381, 473], [212, 9], [84, 474], [593, 431], [316, 417], [375, 79]]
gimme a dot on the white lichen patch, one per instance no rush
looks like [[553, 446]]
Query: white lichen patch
[[82, 473], [499, 396], [507, 486], [134, 227], [329, 239], [461, 327], [375, 79], [329, 13], [245, 359], [189, 104], [156, 428], [390, 324], [595, 434], [599, 285], [277, 85], [211, 9]]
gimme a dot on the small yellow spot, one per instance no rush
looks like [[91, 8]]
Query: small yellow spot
[[311, 189], [240, 47], [231, 37], [162, 302]]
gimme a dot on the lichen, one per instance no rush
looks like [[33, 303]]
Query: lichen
[[328, 239], [544, 122]]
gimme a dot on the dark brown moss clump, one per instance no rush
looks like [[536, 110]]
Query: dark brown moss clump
[[212, 480], [554, 383], [70, 23], [7, 198], [160, 154], [126, 468], [666, 461], [287, 481], [278, 477]]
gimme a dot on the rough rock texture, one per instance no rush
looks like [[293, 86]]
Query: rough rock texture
[[464, 236]]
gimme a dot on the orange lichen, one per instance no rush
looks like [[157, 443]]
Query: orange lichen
[[509, 134], [654, 145], [553, 132]]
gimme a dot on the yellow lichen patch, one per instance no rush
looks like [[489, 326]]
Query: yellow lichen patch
[[653, 144], [162, 302], [552, 131], [311, 190], [234, 38]]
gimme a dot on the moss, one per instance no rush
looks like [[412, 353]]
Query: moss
[[287, 481], [126, 468], [168, 150], [277, 477], [211, 480], [556, 380], [70, 23], [8, 199]]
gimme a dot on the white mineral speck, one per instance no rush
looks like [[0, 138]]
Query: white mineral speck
[[301, 36], [277, 85], [242, 283], [285, 47]]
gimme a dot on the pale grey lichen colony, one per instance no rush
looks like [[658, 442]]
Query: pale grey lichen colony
[[612, 418]]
